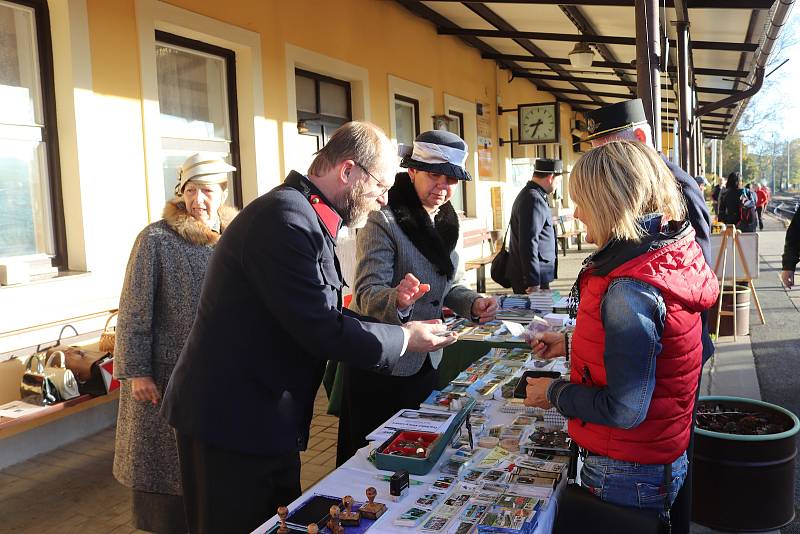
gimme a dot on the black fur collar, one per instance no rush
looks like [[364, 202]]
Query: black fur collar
[[435, 243]]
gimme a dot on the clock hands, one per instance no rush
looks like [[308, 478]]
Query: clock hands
[[536, 127]]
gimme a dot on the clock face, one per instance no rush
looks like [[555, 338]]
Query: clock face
[[538, 123]]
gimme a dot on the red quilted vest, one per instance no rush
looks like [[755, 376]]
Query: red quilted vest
[[688, 286]]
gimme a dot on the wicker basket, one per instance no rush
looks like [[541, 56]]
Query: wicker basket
[[109, 335]]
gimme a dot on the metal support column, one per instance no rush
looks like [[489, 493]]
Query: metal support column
[[648, 51], [685, 96]]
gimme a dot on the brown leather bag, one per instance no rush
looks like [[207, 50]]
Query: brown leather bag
[[83, 363]]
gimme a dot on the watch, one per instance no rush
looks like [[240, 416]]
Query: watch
[[538, 123]]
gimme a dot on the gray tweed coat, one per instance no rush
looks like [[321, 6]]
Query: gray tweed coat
[[156, 310], [400, 239]]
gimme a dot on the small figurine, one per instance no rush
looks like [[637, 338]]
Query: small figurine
[[372, 509], [334, 523], [348, 517], [283, 512], [313, 528]]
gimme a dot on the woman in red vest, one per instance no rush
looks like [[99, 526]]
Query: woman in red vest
[[636, 349]]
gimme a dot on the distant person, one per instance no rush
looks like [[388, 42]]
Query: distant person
[[791, 251], [408, 268], [702, 183], [156, 310], [715, 194], [762, 199], [738, 205], [532, 245]]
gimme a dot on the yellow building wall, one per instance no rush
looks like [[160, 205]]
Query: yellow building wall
[[379, 36]]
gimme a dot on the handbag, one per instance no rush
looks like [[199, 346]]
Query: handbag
[[84, 364], [64, 378], [37, 386], [499, 269], [580, 511], [109, 336]]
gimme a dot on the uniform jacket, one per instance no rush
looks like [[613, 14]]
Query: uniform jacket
[[532, 240], [400, 239], [269, 318], [697, 213], [688, 286], [157, 306], [791, 245]]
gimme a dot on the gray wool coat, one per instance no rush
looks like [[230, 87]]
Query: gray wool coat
[[157, 307], [385, 254]]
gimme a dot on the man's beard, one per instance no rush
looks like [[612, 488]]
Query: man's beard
[[353, 205]]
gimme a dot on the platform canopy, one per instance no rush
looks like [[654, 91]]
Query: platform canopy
[[533, 39]]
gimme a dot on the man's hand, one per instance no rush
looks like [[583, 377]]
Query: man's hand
[[787, 278], [484, 308], [536, 393], [532, 289], [428, 336], [409, 290], [144, 389], [548, 345]]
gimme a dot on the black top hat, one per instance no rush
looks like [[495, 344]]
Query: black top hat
[[548, 166], [614, 118], [439, 152]]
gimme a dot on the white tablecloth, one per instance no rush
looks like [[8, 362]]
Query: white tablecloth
[[357, 474]]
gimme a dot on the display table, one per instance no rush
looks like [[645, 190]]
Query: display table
[[455, 359], [357, 474]]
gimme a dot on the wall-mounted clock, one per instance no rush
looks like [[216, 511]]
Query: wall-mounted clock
[[538, 123]]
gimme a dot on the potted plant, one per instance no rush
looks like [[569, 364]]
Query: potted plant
[[744, 464]]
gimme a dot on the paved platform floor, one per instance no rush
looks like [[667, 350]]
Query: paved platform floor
[[71, 490]]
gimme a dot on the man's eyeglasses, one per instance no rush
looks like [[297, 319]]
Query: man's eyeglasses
[[383, 189]]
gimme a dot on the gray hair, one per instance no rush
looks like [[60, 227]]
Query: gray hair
[[362, 142]]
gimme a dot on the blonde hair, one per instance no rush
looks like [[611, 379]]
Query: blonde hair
[[362, 142], [618, 183]]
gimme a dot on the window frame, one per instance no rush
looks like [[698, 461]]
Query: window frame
[[462, 183], [49, 127], [318, 116], [414, 104], [229, 57]]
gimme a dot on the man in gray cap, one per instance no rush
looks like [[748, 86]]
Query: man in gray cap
[[532, 246]]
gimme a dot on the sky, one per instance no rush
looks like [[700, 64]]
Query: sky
[[780, 90]]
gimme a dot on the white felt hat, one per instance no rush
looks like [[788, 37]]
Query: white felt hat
[[203, 169]]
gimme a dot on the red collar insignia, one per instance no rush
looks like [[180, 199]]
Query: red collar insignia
[[330, 219]]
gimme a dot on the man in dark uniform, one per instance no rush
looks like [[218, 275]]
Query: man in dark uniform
[[627, 121], [270, 315], [532, 245]]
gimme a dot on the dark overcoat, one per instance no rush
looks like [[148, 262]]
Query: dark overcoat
[[156, 310], [531, 241], [270, 316]]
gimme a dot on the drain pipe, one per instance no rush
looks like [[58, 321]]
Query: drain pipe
[[779, 17]]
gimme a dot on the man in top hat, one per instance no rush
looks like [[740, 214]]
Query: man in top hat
[[532, 245], [270, 315], [627, 121]]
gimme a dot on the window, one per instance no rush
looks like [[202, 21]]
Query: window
[[197, 103], [456, 126], [406, 117], [323, 104], [31, 211]]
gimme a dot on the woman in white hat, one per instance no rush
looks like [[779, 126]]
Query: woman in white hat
[[157, 307]]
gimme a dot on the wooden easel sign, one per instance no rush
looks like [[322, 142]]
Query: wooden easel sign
[[736, 261]]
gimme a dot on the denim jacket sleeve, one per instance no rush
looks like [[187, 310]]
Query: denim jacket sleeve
[[633, 315]]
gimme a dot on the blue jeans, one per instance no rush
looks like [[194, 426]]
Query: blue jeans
[[631, 484]]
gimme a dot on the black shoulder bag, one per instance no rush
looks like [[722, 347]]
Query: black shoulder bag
[[580, 511], [499, 269]]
